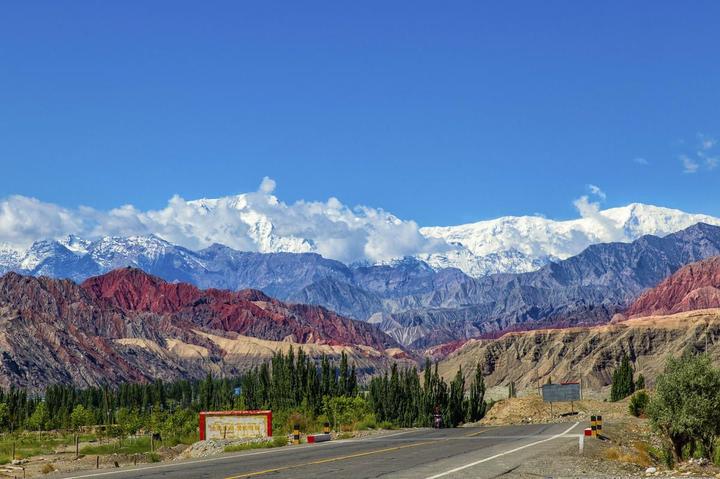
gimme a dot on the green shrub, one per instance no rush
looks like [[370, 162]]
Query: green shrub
[[662, 455], [344, 412], [367, 422], [247, 445], [81, 417], [277, 441], [685, 407], [716, 456], [640, 383], [638, 403], [280, 441], [386, 425]]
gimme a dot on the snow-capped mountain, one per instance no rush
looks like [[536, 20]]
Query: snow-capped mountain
[[410, 300], [524, 243], [255, 224], [9, 257], [31, 231]]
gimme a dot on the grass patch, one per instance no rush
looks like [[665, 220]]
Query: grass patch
[[186, 440], [386, 425], [368, 422], [280, 441], [31, 444], [128, 446], [47, 469], [642, 454], [638, 454], [277, 441]]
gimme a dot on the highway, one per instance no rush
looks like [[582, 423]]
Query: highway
[[480, 452]]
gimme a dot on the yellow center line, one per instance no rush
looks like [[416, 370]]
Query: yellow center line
[[473, 434], [330, 459]]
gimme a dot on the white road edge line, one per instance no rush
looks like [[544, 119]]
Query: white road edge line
[[183, 463], [225, 457], [457, 469]]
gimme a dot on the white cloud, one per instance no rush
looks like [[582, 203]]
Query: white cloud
[[259, 221], [595, 190], [641, 161], [706, 142], [24, 219], [703, 156], [255, 221], [606, 227], [267, 185], [689, 165]]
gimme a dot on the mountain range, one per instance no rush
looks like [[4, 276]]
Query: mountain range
[[516, 244], [416, 304], [129, 326], [260, 222], [680, 314]]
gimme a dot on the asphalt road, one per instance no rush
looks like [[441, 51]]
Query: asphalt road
[[422, 453]]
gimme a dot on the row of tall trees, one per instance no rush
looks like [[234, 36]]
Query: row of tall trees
[[288, 382], [400, 398], [294, 381]]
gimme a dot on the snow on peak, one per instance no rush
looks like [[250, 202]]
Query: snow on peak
[[259, 221], [108, 250], [9, 257], [75, 244], [524, 243]]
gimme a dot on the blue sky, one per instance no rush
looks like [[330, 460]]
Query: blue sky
[[441, 113]]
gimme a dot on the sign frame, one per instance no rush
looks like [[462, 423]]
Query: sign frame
[[202, 421], [576, 387]]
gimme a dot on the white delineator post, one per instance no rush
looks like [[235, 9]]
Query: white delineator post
[[581, 442]]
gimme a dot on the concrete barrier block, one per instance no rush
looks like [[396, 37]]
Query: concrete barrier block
[[311, 439]]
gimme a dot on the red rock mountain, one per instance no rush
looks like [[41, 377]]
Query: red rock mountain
[[130, 326], [695, 286], [247, 312]]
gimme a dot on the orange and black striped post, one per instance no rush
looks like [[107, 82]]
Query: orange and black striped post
[[296, 434], [598, 425], [326, 428], [593, 425]]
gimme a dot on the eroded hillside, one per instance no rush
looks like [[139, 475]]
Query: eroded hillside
[[589, 354]]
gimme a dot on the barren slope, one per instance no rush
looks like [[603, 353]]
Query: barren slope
[[589, 354], [130, 326]]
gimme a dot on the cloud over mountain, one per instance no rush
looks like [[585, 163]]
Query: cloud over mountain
[[256, 221], [259, 221]]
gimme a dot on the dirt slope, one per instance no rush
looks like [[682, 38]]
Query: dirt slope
[[587, 354]]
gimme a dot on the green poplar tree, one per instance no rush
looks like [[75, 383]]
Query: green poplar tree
[[623, 384]]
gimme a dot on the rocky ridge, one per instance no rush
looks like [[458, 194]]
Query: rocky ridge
[[128, 326], [692, 287], [414, 303], [587, 354]]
